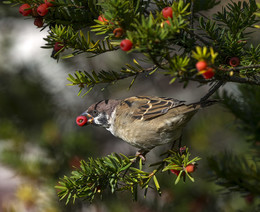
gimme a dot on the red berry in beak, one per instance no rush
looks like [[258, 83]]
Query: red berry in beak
[[81, 120]]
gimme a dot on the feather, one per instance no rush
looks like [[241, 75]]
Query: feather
[[147, 108]]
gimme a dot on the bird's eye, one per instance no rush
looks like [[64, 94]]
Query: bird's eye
[[95, 112]]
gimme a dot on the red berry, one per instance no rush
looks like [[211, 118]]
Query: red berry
[[249, 198], [182, 150], [208, 73], [38, 22], [234, 61], [25, 9], [118, 32], [126, 45], [81, 120], [166, 22], [190, 168], [242, 41], [58, 46], [167, 12], [201, 65], [48, 2], [102, 18], [176, 172], [42, 10], [75, 162]]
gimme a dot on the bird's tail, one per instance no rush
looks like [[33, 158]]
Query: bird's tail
[[202, 104], [207, 103], [191, 109]]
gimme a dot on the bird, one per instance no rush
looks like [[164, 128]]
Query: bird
[[144, 122]]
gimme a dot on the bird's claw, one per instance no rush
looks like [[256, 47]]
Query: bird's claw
[[140, 154]]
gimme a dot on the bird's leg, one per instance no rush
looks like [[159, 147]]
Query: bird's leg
[[172, 147], [212, 90], [141, 154], [180, 139], [173, 144]]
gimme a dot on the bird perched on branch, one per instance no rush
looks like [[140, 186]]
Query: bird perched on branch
[[142, 121]]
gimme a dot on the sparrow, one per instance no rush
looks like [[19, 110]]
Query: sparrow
[[142, 121]]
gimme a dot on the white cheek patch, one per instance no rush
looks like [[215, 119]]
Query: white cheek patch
[[101, 120], [96, 120], [111, 121]]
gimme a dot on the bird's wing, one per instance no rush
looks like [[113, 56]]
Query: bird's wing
[[147, 108]]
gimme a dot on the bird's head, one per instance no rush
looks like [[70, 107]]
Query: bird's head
[[98, 114]]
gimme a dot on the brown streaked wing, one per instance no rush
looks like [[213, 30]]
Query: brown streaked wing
[[148, 108]]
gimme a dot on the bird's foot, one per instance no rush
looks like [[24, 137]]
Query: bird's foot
[[141, 154]]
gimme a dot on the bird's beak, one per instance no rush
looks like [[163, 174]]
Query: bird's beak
[[90, 118], [84, 119]]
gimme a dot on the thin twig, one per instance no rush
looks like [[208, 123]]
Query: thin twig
[[237, 68], [212, 90], [192, 14], [198, 37], [207, 43], [204, 16], [244, 80], [180, 140]]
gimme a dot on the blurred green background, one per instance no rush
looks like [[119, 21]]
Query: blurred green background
[[40, 142]]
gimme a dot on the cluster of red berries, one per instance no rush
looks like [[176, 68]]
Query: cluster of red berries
[[167, 13], [189, 168], [102, 19], [202, 67], [208, 72], [118, 32], [126, 44], [37, 11]]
